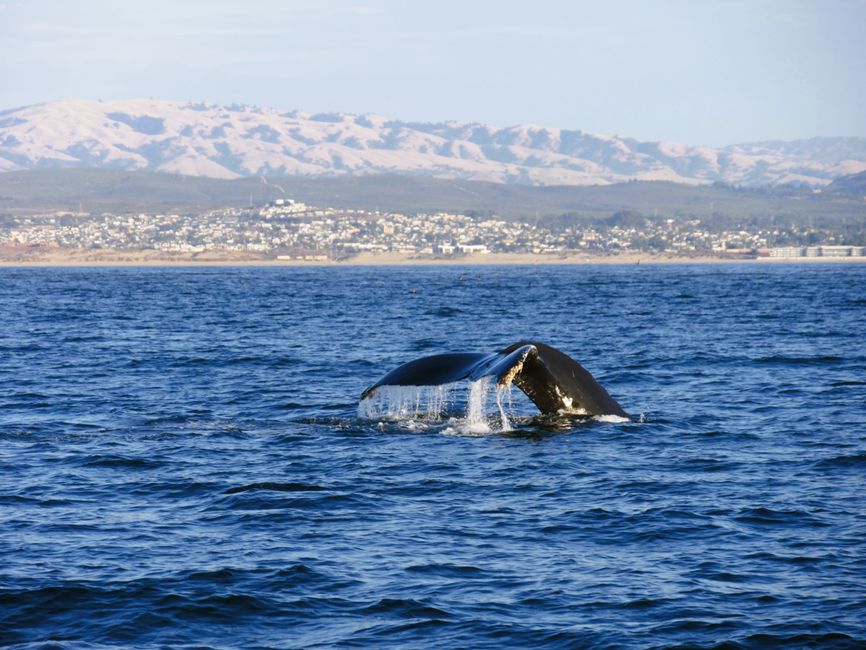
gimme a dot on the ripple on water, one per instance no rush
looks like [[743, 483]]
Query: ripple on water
[[182, 462]]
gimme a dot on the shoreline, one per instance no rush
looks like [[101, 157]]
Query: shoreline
[[78, 257]]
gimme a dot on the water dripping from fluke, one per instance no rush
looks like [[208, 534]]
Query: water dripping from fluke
[[552, 380], [401, 402], [472, 410]]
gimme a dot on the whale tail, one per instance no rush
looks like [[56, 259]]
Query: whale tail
[[551, 379]]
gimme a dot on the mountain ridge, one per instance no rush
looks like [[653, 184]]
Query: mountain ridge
[[239, 140]]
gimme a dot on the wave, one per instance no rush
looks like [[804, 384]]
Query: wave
[[444, 312], [121, 462], [767, 517], [446, 570], [821, 359], [405, 607], [275, 487], [857, 460], [827, 641]]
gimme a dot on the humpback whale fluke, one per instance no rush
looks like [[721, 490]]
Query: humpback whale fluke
[[551, 379]]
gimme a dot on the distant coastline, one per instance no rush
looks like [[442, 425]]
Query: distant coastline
[[89, 257]]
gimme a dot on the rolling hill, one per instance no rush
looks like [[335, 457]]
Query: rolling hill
[[240, 141], [98, 190]]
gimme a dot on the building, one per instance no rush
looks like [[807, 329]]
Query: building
[[472, 248], [788, 251], [818, 251]]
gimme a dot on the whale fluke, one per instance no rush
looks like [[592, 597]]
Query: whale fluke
[[551, 379]]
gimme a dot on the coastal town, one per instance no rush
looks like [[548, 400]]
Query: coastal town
[[290, 230]]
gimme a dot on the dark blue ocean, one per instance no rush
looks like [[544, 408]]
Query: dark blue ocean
[[182, 463]]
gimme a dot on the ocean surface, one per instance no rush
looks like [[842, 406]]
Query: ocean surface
[[183, 464]]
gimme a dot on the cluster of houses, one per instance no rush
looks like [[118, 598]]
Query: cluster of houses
[[290, 229]]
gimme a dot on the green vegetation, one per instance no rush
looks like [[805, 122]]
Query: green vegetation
[[716, 206], [853, 184]]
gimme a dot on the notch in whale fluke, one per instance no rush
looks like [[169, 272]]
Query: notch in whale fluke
[[551, 379]]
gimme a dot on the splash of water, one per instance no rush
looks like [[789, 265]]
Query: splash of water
[[504, 404], [476, 407], [400, 402], [431, 403], [615, 419]]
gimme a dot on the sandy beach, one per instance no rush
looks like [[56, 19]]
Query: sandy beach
[[16, 256]]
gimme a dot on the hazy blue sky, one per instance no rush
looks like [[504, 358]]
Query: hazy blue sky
[[699, 72]]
